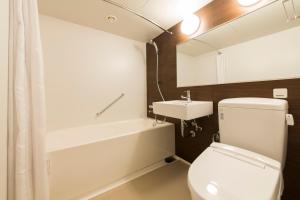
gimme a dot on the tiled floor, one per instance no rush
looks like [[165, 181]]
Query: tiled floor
[[168, 182]]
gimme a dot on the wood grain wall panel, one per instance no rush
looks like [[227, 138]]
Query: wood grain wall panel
[[190, 148]]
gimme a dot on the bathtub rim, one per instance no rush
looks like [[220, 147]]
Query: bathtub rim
[[50, 150]]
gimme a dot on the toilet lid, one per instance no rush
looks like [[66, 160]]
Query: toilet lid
[[227, 172]]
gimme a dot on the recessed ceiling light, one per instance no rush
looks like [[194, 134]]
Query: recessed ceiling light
[[248, 2], [190, 24], [111, 18]]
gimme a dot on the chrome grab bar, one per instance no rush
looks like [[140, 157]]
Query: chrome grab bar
[[109, 105]]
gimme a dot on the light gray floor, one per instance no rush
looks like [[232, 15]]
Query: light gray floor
[[168, 182]]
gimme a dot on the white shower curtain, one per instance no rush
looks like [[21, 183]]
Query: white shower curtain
[[221, 68], [28, 178]]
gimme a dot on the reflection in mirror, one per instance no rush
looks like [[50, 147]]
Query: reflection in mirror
[[260, 46]]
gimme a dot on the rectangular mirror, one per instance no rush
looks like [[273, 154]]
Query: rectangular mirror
[[263, 45]]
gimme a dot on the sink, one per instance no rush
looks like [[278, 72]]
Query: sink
[[184, 110]]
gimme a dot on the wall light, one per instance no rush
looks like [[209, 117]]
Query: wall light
[[248, 2], [190, 24]]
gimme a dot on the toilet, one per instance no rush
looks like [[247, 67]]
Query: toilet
[[247, 164]]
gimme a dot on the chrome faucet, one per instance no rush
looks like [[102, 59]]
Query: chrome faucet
[[188, 96]]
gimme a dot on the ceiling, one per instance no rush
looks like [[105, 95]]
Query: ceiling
[[93, 13], [265, 21]]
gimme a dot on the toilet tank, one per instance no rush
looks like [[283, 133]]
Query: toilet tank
[[255, 124]]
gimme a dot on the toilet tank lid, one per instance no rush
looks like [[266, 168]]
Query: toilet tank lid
[[255, 103]]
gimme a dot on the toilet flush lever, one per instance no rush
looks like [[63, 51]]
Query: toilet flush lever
[[289, 119]]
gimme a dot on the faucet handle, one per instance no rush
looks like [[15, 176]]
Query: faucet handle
[[187, 92], [188, 96]]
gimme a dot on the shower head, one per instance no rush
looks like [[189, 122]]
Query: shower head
[[154, 44]]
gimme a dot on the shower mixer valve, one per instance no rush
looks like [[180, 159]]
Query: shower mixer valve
[[150, 109]]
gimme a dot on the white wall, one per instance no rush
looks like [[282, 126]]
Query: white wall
[[267, 58], [185, 70], [4, 29], [272, 57], [85, 69], [200, 70]]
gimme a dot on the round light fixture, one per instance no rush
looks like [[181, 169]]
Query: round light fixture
[[190, 24], [111, 18], [248, 2]]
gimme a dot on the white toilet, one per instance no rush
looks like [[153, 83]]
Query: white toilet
[[248, 163]]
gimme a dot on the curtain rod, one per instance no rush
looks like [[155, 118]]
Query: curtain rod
[[208, 44]]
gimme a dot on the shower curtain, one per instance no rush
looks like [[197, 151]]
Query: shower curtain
[[28, 178], [221, 68]]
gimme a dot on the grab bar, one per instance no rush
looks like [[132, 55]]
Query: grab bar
[[109, 105]]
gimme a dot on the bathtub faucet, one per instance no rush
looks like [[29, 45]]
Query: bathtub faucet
[[156, 121]]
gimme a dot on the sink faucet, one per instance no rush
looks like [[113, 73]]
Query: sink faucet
[[188, 96]]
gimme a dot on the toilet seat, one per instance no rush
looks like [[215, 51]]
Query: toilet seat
[[231, 173]]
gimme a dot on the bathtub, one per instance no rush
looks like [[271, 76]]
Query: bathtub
[[86, 160]]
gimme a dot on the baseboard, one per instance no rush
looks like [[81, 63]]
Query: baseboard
[[182, 160]]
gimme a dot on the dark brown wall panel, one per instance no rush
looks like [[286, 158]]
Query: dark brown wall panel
[[190, 148]]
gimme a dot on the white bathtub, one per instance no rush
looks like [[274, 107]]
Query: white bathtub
[[87, 159]]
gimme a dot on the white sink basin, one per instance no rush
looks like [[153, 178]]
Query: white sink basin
[[182, 109]]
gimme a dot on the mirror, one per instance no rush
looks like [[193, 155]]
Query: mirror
[[263, 45]]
